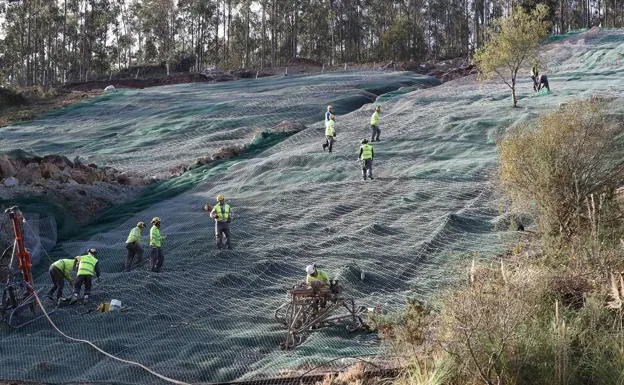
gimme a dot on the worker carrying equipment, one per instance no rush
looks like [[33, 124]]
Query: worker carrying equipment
[[88, 266], [59, 272], [366, 157], [374, 122], [315, 275], [155, 241], [133, 245], [330, 133], [222, 215]]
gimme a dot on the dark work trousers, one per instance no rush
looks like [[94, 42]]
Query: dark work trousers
[[375, 133], [80, 280], [135, 252], [58, 281], [329, 142], [367, 165], [221, 229], [156, 259]]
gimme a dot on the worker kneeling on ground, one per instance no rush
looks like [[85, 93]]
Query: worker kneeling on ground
[[222, 215], [133, 245], [316, 278], [59, 272], [366, 157], [88, 266], [156, 255]]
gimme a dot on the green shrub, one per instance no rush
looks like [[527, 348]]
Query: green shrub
[[568, 166]]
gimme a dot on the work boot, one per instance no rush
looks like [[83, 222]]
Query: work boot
[[324, 146], [229, 247]]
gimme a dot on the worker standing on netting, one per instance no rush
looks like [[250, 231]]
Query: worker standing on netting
[[534, 77], [156, 255], [374, 122], [88, 266], [330, 134], [59, 272], [316, 277], [133, 245], [328, 113], [366, 157], [222, 215]]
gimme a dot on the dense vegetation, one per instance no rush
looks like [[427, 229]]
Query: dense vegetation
[[53, 41]]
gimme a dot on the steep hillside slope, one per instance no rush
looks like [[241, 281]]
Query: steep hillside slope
[[208, 316]]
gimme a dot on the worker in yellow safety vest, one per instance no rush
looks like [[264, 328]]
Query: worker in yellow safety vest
[[330, 133], [366, 157], [133, 245], [59, 272], [155, 241], [222, 215], [316, 277], [88, 266], [374, 122]]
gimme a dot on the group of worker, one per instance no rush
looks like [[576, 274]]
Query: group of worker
[[87, 265], [539, 81], [367, 152]]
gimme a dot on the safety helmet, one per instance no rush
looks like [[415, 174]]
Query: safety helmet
[[155, 220], [377, 108], [310, 269], [220, 198], [92, 251], [329, 107], [364, 141], [141, 225]]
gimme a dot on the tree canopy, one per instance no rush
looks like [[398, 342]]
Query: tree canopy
[[514, 42]]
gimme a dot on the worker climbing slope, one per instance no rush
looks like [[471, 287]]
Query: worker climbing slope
[[59, 272], [330, 134], [374, 122], [222, 215], [366, 157], [88, 266], [156, 255], [133, 245]]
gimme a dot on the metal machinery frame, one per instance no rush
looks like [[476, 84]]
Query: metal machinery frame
[[316, 307], [18, 292]]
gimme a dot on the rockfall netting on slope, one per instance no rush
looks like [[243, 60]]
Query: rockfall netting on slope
[[154, 129], [208, 316]]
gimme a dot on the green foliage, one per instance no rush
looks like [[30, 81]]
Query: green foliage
[[569, 166], [513, 43]]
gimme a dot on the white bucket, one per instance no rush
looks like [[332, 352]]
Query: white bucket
[[115, 305]]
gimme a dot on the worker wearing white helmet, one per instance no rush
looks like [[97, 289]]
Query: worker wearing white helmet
[[316, 275], [222, 215], [156, 255], [88, 266], [133, 245]]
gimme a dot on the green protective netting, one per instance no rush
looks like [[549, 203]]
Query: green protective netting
[[208, 317]]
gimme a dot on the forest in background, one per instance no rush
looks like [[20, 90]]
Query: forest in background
[[47, 42]]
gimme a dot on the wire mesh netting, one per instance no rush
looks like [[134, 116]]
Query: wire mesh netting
[[208, 317]]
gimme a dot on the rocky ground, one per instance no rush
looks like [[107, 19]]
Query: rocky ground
[[84, 189]]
